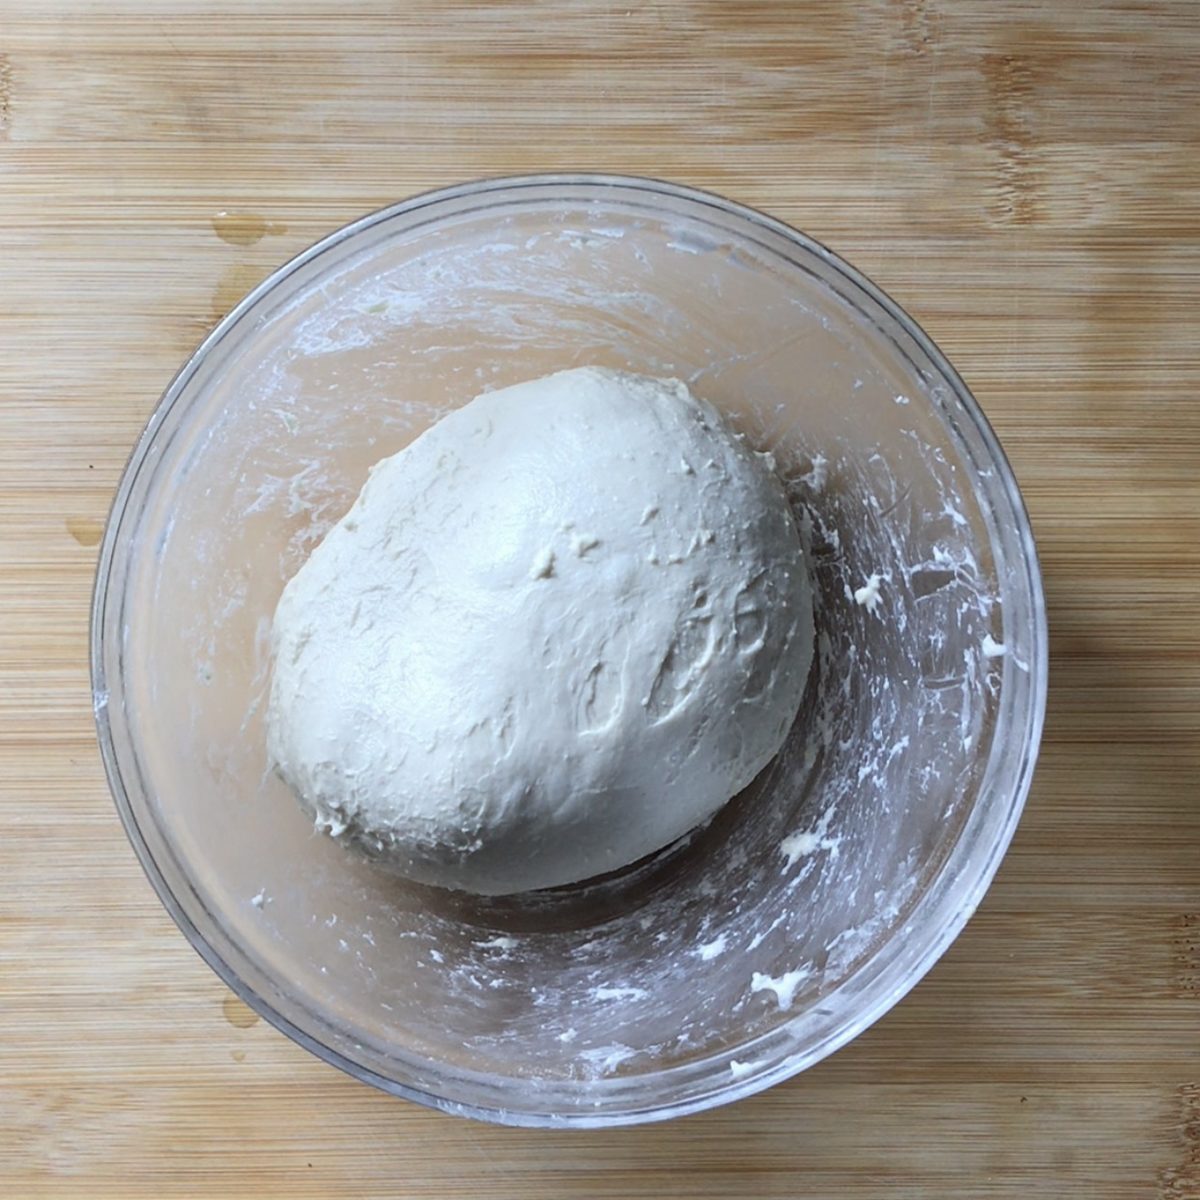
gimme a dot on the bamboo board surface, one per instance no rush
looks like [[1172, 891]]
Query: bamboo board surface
[[1023, 177]]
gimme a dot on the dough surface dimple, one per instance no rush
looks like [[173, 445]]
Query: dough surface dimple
[[552, 635]]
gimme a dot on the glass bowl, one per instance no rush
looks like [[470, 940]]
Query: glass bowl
[[818, 897]]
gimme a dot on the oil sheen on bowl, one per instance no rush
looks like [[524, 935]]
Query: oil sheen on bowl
[[820, 895]]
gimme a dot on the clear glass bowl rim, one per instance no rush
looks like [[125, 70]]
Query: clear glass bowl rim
[[881, 993]]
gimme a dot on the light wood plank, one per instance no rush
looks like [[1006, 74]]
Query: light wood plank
[[1025, 178]]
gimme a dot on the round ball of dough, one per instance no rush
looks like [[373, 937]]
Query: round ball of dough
[[556, 632]]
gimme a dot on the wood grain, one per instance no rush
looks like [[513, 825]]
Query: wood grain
[[1024, 177]]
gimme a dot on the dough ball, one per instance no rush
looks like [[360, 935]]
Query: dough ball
[[556, 632]]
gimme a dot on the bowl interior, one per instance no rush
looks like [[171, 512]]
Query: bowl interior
[[818, 896]]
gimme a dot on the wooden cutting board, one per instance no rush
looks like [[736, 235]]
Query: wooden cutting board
[[1024, 178]]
